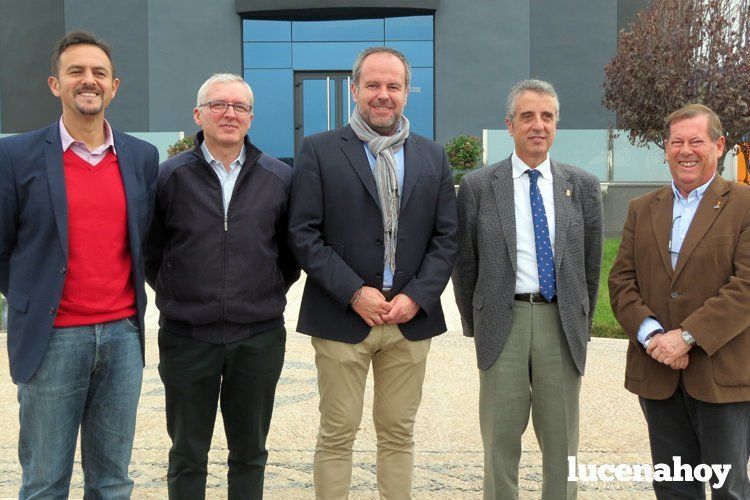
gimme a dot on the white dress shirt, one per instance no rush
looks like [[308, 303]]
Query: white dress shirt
[[527, 276]]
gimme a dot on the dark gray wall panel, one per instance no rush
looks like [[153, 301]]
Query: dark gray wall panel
[[571, 41], [626, 11], [123, 25], [616, 200], [184, 50], [28, 32], [481, 50]]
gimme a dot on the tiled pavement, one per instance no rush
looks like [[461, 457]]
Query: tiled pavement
[[448, 461]]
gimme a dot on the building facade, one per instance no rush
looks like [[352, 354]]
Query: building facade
[[297, 56]]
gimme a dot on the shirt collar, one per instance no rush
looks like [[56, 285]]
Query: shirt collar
[[67, 139], [520, 167], [240, 160], [695, 193]]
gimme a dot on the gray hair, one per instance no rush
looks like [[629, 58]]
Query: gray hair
[[538, 86], [221, 78], [691, 111], [357, 68]]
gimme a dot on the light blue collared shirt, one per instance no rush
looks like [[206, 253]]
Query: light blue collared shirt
[[226, 179], [683, 211], [399, 157]]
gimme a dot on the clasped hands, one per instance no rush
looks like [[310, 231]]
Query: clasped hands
[[375, 310], [669, 348]]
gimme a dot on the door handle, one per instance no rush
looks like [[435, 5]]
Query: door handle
[[348, 97], [328, 103]]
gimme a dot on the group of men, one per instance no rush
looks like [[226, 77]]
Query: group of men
[[370, 214]]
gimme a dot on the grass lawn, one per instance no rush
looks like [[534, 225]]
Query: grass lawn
[[605, 324]]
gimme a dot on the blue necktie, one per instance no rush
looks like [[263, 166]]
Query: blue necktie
[[545, 261]]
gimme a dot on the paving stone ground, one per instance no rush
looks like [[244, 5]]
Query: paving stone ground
[[448, 462]]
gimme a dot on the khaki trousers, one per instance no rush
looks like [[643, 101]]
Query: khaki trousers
[[534, 371], [398, 368]]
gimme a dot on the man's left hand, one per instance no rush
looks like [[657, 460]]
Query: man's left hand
[[403, 309], [668, 347]]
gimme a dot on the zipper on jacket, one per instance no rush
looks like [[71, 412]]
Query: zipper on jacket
[[240, 179], [224, 282]]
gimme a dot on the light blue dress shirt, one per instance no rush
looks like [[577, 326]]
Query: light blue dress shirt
[[683, 211], [226, 179], [399, 157]]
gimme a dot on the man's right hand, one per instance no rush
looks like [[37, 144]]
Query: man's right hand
[[370, 305]]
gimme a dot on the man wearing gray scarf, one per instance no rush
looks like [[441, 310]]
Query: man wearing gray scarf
[[372, 221]]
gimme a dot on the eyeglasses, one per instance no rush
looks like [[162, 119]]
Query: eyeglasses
[[671, 233], [220, 107]]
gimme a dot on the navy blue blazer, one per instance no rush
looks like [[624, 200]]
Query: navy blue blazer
[[34, 234], [336, 233]]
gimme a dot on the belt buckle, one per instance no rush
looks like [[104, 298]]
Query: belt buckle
[[534, 296]]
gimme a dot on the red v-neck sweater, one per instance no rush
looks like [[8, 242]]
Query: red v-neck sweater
[[98, 284]]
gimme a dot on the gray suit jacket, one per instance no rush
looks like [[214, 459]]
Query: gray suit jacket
[[484, 277]]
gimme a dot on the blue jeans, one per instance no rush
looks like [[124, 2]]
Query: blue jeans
[[90, 377]]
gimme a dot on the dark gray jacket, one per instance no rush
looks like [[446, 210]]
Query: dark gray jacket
[[336, 233], [215, 280]]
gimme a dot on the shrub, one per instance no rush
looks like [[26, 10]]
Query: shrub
[[463, 152], [184, 144]]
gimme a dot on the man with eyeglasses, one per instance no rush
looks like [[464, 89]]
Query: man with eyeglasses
[[218, 260], [680, 287]]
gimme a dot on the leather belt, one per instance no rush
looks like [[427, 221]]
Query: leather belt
[[533, 298], [388, 294]]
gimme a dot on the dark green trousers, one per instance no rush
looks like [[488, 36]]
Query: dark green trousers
[[242, 376]]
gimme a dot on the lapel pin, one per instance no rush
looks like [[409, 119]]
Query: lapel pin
[[567, 192], [718, 204]]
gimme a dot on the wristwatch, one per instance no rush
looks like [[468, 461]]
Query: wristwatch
[[689, 339]]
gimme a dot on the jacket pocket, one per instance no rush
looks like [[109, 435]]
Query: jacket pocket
[[17, 300], [730, 363], [477, 301]]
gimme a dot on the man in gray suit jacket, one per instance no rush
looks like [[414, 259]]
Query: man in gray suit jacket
[[526, 280]]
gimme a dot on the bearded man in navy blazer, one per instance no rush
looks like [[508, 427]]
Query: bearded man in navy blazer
[[373, 223], [75, 201]]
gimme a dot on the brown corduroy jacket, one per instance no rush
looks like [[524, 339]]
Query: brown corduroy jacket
[[707, 293]]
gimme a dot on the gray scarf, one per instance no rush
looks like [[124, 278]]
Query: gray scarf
[[382, 148]]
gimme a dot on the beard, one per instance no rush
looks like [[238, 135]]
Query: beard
[[90, 110], [383, 126]]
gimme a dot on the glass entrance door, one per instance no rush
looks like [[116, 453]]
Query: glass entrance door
[[322, 101]]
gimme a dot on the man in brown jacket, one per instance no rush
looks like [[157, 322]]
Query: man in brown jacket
[[680, 288]]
